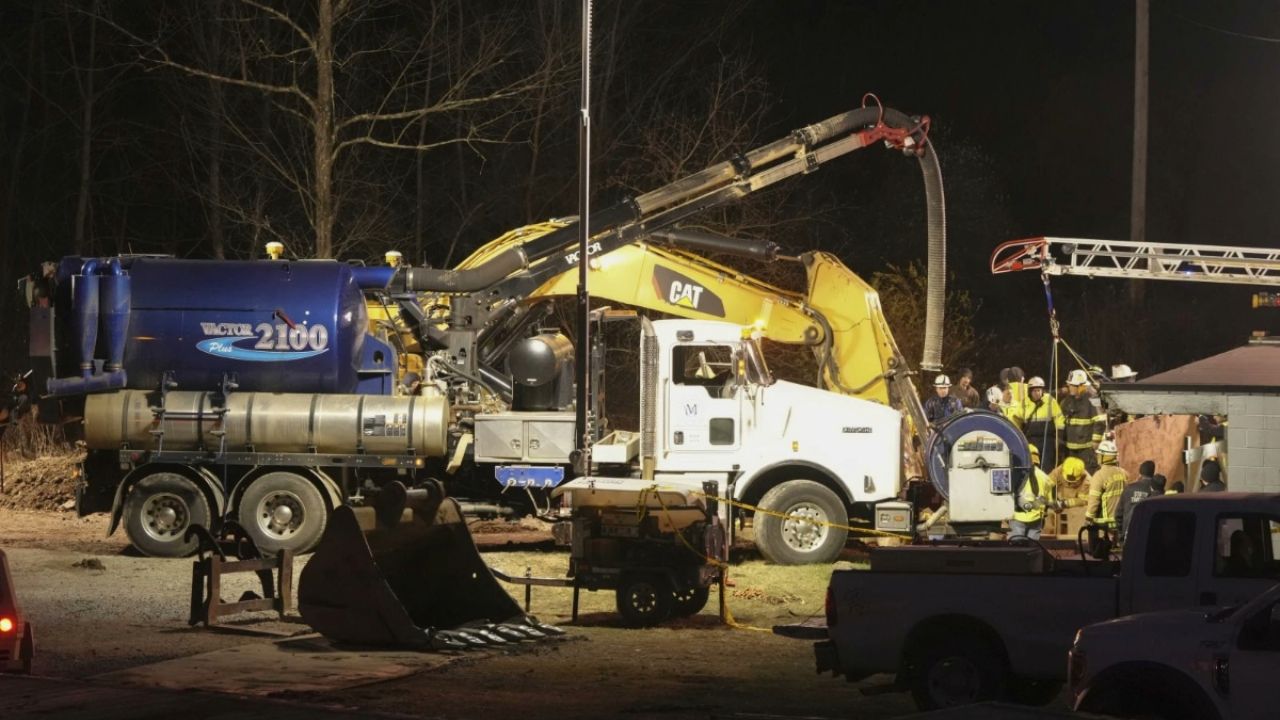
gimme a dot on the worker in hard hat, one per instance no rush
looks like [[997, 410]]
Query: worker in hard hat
[[1034, 495], [1071, 483], [942, 405], [1105, 486], [1123, 373], [1041, 420], [1085, 422]]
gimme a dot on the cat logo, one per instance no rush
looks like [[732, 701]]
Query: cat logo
[[683, 291]]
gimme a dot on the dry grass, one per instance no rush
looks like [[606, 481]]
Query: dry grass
[[762, 594]]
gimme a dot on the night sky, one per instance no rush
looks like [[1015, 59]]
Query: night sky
[[1031, 105]]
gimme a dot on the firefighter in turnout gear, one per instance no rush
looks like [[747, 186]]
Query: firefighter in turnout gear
[[1085, 421], [1036, 494], [1070, 483], [1105, 487], [1040, 418]]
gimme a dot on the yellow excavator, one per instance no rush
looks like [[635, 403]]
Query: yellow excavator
[[806, 456]]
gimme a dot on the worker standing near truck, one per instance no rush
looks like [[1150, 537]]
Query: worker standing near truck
[[1036, 494], [1040, 418], [1085, 423], [1134, 493], [942, 405], [1105, 486]]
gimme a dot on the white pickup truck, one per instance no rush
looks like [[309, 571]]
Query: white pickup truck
[[964, 624], [1182, 664]]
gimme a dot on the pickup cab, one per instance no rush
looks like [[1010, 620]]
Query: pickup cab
[[959, 624]]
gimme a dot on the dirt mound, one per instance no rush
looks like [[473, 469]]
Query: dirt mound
[[45, 483]]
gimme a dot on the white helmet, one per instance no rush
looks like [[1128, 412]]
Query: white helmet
[[1122, 372], [1107, 447], [942, 381], [995, 395], [1077, 377], [1035, 382]]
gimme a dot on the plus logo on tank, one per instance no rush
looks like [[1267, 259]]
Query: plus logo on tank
[[685, 292], [264, 342]]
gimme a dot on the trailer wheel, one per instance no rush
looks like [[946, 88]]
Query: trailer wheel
[[283, 511], [645, 599], [689, 601], [801, 537], [957, 670], [158, 511]]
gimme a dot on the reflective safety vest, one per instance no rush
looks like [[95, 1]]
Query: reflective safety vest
[[1038, 485], [1085, 423], [1105, 488], [1033, 418]]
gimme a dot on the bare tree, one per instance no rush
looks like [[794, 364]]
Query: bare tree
[[344, 85]]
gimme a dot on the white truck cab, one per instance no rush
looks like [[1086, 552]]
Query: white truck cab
[[712, 412]]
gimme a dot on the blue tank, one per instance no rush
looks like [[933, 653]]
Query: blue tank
[[278, 326]]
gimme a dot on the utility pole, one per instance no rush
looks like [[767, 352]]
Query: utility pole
[[1141, 80], [582, 355]]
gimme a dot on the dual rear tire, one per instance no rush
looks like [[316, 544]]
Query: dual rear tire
[[279, 510]]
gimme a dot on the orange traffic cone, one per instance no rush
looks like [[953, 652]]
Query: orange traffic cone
[[17, 643]]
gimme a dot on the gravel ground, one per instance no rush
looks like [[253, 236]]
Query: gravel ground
[[133, 611]]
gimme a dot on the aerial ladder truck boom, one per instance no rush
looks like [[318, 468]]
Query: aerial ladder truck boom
[[1131, 260]]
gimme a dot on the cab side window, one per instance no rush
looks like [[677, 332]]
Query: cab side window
[[710, 366], [1246, 547]]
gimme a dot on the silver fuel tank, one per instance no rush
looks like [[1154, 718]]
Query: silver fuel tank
[[271, 422]]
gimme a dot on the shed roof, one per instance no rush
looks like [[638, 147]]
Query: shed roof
[[1254, 366]]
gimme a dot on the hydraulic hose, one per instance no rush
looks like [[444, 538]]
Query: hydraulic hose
[[462, 281], [936, 292]]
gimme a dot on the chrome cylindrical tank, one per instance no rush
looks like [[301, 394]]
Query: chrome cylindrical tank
[[270, 422]]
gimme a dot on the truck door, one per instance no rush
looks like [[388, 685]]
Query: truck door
[[1245, 565], [1254, 664], [704, 406], [1162, 561]]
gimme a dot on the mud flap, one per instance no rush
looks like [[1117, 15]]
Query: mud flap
[[417, 583]]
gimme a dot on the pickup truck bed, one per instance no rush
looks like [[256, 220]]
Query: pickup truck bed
[[961, 624]]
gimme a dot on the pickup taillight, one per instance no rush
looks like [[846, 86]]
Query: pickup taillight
[[831, 608]]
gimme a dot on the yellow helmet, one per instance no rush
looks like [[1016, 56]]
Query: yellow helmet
[[1073, 467]]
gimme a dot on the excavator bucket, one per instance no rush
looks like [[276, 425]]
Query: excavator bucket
[[417, 583]]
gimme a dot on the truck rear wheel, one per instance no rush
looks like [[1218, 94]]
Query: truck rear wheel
[[283, 511], [803, 535], [957, 670], [645, 599], [689, 601], [160, 508]]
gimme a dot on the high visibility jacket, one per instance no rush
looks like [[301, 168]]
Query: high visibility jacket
[[1085, 423], [1034, 418], [1036, 492], [1072, 494], [1105, 487]]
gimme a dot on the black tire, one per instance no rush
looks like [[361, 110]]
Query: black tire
[[645, 599], [689, 602], [955, 671], [1034, 692], [283, 511], [795, 541], [158, 511]]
